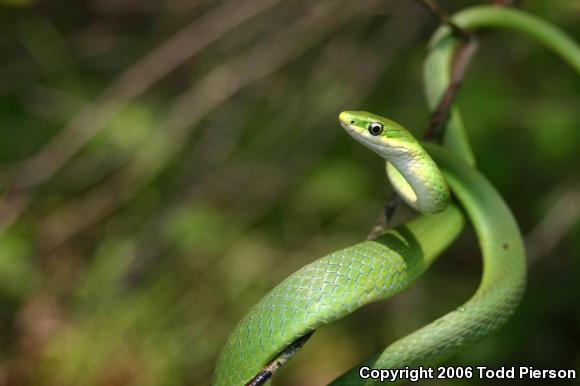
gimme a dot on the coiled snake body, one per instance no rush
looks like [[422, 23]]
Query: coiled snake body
[[337, 284]]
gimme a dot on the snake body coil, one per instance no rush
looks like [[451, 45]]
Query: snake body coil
[[337, 284]]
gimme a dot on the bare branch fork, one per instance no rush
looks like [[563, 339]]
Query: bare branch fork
[[436, 10], [463, 55], [440, 115]]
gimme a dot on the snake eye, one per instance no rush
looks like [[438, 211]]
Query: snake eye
[[375, 128]]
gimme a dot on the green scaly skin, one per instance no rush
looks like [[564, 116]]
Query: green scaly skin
[[332, 287], [500, 289], [343, 281]]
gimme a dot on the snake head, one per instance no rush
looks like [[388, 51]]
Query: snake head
[[379, 134], [413, 173]]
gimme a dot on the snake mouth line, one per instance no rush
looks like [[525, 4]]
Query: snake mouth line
[[357, 133], [280, 360]]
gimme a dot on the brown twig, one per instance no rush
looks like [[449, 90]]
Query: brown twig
[[462, 58], [440, 14], [280, 360], [439, 116]]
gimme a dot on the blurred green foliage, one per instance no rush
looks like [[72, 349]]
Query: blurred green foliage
[[132, 262]]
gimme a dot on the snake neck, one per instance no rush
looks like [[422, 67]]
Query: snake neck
[[417, 179]]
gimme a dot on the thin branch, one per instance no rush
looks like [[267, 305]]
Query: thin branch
[[463, 55], [435, 9], [280, 360], [439, 116], [462, 58]]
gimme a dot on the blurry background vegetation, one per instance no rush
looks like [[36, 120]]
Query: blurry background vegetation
[[165, 163]]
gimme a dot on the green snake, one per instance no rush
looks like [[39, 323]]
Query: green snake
[[343, 281]]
